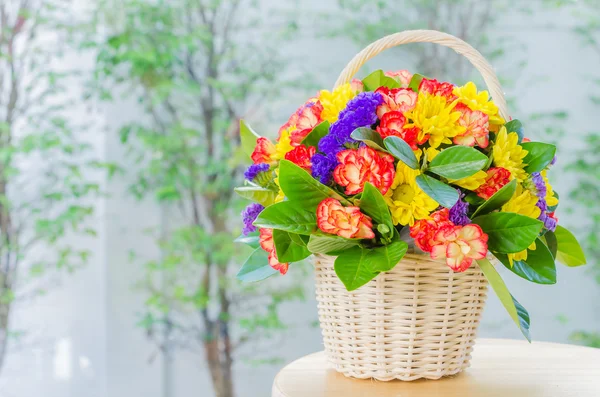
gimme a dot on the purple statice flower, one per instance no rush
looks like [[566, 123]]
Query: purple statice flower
[[553, 160], [458, 212], [549, 222], [359, 112], [254, 170], [539, 184], [249, 215]]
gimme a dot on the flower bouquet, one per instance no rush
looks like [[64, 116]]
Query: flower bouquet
[[405, 189]]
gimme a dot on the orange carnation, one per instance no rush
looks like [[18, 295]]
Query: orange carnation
[[476, 125], [424, 230], [302, 122], [265, 239], [358, 166], [460, 245], [496, 178], [348, 222], [263, 152], [301, 156], [392, 124], [400, 99]]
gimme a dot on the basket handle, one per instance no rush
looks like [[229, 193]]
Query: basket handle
[[430, 36]]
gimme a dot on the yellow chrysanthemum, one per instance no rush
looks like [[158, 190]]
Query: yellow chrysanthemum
[[551, 199], [334, 102], [280, 196], [283, 146], [436, 118], [523, 202], [509, 154], [406, 200], [471, 182], [468, 95]]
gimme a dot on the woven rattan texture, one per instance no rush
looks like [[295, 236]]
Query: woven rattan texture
[[417, 321]]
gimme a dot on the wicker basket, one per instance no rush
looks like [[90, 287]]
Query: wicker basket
[[420, 319]]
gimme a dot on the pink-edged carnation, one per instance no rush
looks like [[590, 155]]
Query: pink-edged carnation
[[434, 87], [302, 122], [392, 124], [459, 245], [358, 166], [263, 151], [301, 156], [424, 230], [399, 99], [476, 125], [401, 76], [357, 85], [265, 239], [496, 178], [348, 222]]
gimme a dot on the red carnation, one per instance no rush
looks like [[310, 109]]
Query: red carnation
[[392, 124], [497, 177], [434, 87], [301, 156]]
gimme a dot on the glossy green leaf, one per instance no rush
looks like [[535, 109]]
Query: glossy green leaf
[[457, 162], [290, 247], [328, 243], [509, 232], [439, 191], [288, 216], [516, 311], [352, 268], [299, 186], [415, 82], [370, 137], [248, 138], [373, 204], [569, 251], [250, 240], [539, 155], [551, 242], [402, 151], [539, 267], [515, 126], [379, 79], [256, 267], [261, 195], [499, 198], [383, 259], [313, 137]]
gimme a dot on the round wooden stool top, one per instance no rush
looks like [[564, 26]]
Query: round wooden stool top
[[500, 368]]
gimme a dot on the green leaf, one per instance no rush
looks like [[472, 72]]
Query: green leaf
[[439, 191], [509, 232], [457, 162], [373, 204], [290, 247], [250, 240], [288, 216], [263, 196], [379, 79], [402, 151], [499, 198], [384, 259], [415, 82], [569, 251], [325, 244], [551, 242], [353, 269], [539, 267], [248, 138], [299, 186], [370, 137], [517, 312], [256, 267], [515, 126], [539, 155], [313, 137]]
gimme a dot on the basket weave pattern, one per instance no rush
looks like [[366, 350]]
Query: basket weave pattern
[[418, 320]]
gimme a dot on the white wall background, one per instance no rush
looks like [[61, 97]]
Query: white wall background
[[92, 346]]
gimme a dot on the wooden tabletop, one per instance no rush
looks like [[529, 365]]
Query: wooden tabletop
[[500, 368]]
